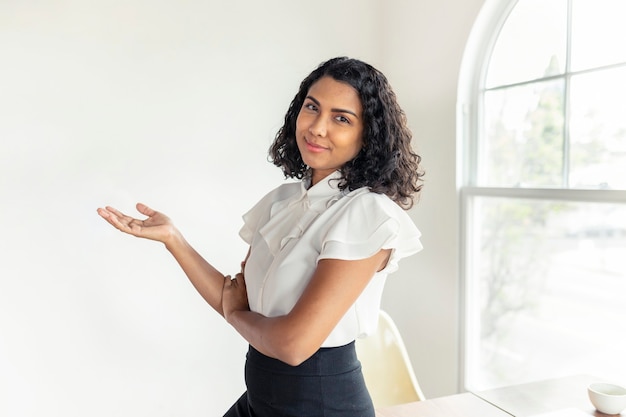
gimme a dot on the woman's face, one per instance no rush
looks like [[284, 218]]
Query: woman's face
[[329, 127]]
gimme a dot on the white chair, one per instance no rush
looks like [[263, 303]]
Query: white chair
[[387, 370]]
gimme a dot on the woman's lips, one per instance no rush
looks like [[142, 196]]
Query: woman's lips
[[312, 147]]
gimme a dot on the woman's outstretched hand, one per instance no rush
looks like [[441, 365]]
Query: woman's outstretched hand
[[157, 226]]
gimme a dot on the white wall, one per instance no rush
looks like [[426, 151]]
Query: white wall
[[174, 104]]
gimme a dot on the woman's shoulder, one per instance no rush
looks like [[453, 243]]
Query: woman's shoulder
[[361, 211], [363, 222]]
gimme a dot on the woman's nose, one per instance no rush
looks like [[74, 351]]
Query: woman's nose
[[318, 127]]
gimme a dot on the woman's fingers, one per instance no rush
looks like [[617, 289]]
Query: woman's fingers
[[142, 208], [145, 210], [121, 223], [108, 215], [228, 282], [234, 297], [234, 281], [119, 220], [111, 209]]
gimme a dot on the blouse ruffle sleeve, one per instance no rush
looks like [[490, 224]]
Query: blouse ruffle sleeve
[[261, 212], [254, 217], [371, 222]]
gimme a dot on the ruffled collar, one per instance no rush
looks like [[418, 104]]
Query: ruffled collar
[[324, 189]]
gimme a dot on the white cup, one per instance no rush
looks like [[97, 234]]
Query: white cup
[[607, 398]]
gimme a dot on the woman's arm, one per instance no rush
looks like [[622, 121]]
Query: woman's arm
[[293, 338], [207, 280]]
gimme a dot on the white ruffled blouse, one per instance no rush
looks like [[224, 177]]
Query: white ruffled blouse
[[292, 228]]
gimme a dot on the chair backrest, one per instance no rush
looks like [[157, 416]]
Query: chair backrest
[[387, 370]]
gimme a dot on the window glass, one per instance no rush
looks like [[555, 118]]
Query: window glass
[[551, 279], [598, 129], [523, 141], [522, 55], [544, 194], [598, 33]]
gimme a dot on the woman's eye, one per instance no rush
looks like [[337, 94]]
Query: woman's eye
[[342, 119], [310, 106]]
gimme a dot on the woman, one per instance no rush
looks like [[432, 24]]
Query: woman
[[319, 249]]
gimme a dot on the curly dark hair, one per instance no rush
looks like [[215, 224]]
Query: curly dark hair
[[386, 163]]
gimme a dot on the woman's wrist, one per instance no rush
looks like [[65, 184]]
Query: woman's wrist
[[174, 240]]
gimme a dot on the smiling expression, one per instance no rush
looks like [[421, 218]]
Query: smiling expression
[[329, 127]]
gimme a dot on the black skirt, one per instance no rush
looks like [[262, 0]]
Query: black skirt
[[328, 384]]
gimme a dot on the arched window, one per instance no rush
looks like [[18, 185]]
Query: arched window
[[542, 110]]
